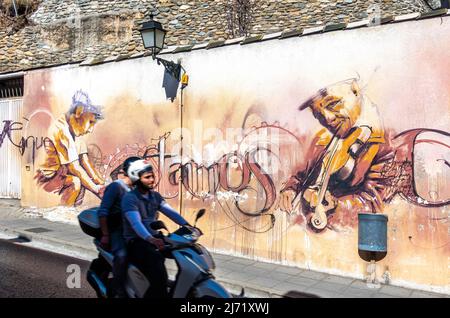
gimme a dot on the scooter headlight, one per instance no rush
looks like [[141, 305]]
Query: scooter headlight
[[189, 237], [194, 235]]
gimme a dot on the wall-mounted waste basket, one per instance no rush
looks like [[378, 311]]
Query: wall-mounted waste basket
[[372, 236]]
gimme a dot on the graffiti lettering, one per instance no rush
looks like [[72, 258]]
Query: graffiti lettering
[[7, 129], [30, 142], [200, 181], [399, 171]]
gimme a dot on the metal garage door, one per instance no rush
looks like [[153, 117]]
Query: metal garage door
[[10, 157]]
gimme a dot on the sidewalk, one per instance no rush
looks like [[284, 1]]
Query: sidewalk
[[259, 279]]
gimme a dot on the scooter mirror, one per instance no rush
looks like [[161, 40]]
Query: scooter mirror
[[157, 225], [200, 213]]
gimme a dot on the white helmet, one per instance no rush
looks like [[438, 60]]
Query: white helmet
[[138, 167]]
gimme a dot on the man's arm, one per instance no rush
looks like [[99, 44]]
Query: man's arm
[[172, 214], [134, 218], [296, 184], [91, 171], [367, 177], [111, 193], [363, 164], [77, 170], [365, 180], [131, 213]]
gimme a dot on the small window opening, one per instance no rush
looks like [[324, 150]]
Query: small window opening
[[11, 87]]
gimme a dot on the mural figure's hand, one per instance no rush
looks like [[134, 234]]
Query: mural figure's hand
[[101, 191], [99, 181], [286, 200], [311, 195], [319, 206], [331, 200]]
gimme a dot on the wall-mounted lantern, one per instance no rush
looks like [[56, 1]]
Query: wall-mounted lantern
[[153, 36]]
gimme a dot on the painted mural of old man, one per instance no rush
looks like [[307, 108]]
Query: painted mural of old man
[[342, 168], [67, 169]]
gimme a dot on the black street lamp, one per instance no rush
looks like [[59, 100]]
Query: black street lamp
[[153, 36]]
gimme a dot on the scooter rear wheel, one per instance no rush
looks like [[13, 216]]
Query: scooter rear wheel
[[101, 269]]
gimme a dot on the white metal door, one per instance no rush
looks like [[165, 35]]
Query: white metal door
[[10, 157]]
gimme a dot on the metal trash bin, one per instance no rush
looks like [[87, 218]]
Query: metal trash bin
[[372, 236]]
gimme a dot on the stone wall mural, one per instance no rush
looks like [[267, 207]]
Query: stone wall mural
[[284, 143]]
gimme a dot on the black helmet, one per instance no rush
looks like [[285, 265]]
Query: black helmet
[[127, 162]]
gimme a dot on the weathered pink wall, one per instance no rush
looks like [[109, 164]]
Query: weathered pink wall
[[243, 96]]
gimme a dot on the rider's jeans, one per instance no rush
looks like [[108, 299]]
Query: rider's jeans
[[151, 263], [118, 249]]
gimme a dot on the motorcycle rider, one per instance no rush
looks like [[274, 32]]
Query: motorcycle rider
[[140, 208], [110, 217]]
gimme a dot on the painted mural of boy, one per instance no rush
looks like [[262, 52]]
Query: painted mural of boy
[[345, 159], [67, 169]]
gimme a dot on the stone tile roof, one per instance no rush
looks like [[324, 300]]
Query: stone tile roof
[[72, 31]]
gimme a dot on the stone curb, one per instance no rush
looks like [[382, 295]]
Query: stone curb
[[50, 240]]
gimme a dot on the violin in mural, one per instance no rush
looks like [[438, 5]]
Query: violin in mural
[[339, 158]]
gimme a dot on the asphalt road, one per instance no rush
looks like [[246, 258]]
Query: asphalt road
[[27, 272]]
